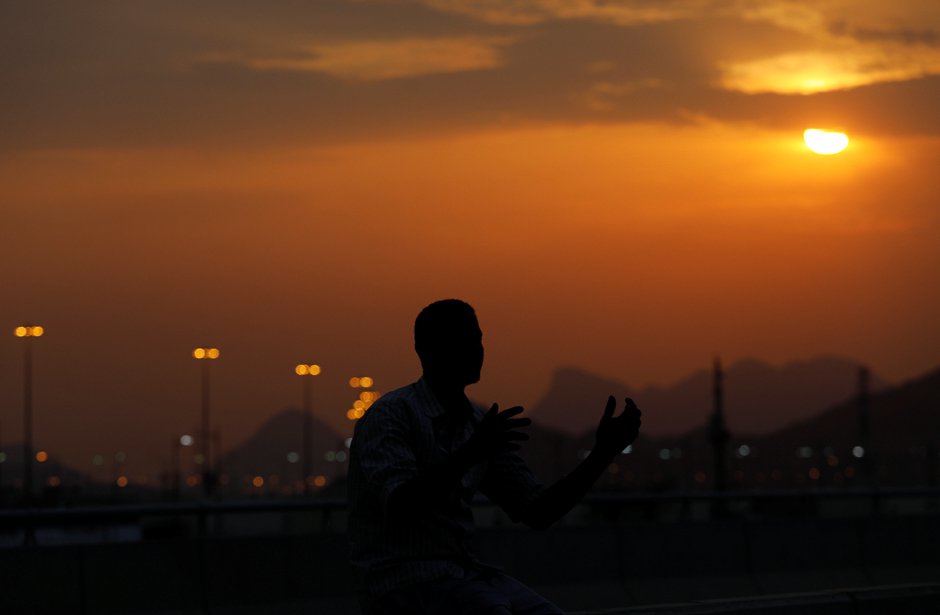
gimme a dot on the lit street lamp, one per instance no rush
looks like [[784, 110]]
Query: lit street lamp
[[28, 332], [307, 370], [206, 355], [366, 398]]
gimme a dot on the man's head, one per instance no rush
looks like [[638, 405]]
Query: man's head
[[449, 342]]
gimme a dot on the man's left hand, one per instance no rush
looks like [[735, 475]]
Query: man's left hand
[[615, 433]]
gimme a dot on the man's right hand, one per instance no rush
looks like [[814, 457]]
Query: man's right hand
[[497, 433]]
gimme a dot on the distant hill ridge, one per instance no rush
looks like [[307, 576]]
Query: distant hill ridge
[[759, 397]]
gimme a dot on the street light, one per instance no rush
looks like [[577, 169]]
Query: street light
[[307, 370], [359, 407], [206, 355], [28, 332]]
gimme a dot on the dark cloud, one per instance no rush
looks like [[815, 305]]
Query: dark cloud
[[116, 75], [905, 36]]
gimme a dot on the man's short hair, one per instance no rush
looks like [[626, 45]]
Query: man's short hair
[[437, 319]]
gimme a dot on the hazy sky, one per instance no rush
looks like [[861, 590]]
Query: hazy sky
[[617, 185]]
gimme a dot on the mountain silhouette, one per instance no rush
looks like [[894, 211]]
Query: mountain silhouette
[[759, 398], [905, 419], [268, 452]]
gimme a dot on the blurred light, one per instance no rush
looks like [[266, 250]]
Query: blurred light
[[320, 481], [97, 460], [301, 370], [206, 353], [354, 382], [186, 439], [213, 353], [192, 480], [42, 456], [199, 353], [348, 442], [365, 382], [257, 481], [54, 481], [293, 457], [359, 404], [314, 370], [804, 452], [664, 454], [832, 461], [199, 458], [858, 452], [744, 450], [121, 481], [625, 451], [341, 456], [120, 457], [28, 331], [3, 457], [351, 414], [365, 396], [307, 370], [814, 473], [331, 456]]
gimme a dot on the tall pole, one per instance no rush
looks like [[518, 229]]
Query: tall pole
[[864, 423], [28, 332], [206, 355], [718, 432], [205, 433], [308, 434], [307, 372], [27, 420]]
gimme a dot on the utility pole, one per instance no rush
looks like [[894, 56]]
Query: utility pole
[[718, 431], [864, 424]]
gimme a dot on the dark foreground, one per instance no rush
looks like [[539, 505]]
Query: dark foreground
[[291, 559]]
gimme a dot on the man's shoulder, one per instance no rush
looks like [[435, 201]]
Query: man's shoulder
[[402, 396], [394, 404]]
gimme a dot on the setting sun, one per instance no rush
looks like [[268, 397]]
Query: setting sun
[[824, 142]]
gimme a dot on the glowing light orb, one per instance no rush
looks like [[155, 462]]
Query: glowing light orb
[[824, 142]]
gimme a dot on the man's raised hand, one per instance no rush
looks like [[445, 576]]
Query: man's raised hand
[[615, 433], [497, 433]]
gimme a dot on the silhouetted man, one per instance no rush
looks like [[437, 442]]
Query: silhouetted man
[[418, 456]]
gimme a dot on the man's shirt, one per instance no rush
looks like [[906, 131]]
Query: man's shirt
[[401, 435]]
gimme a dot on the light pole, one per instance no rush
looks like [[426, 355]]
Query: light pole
[[307, 450], [206, 355], [28, 332]]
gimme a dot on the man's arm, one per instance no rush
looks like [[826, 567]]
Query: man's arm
[[613, 435]]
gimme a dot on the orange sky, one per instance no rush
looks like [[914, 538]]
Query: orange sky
[[613, 187]]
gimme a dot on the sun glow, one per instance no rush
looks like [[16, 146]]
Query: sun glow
[[825, 142]]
